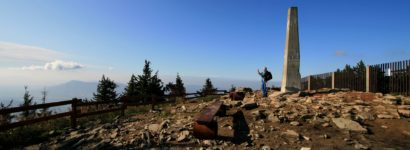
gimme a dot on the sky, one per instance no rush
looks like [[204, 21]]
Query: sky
[[48, 42]]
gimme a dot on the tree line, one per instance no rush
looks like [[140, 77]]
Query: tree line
[[142, 86]]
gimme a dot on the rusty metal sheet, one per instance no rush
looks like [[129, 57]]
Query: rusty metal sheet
[[208, 113], [208, 131]]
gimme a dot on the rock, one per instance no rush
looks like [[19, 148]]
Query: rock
[[306, 138], [392, 99], [309, 100], [325, 125], [295, 123], [272, 118], [407, 107], [265, 148], [182, 136], [250, 105], [365, 116], [113, 134], [384, 116], [348, 124], [207, 142], [406, 133], [404, 112], [306, 148], [259, 114], [69, 143], [360, 146], [183, 108], [154, 128], [164, 124], [291, 133]]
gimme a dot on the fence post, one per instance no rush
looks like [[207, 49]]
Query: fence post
[[74, 113], [367, 78], [333, 80], [308, 79], [124, 105]]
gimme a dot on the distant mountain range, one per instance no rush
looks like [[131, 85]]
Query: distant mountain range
[[81, 89]]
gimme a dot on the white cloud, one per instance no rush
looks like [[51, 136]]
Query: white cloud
[[13, 51], [55, 65]]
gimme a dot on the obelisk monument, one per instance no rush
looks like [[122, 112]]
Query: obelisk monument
[[291, 64]]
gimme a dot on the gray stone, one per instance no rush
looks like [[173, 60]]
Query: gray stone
[[348, 124], [291, 66]]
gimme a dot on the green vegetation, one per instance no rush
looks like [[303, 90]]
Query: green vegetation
[[176, 89], [208, 88], [105, 90], [145, 85], [28, 100]]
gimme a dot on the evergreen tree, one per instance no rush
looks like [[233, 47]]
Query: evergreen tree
[[131, 89], [179, 85], [147, 84], [28, 101], [208, 88], [171, 88], [105, 90], [360, 68], [176, 89], [44, 111]]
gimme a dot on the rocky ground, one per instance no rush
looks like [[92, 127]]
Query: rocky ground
[[301, 121]]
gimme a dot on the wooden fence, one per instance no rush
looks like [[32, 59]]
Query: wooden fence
[[76, 104], [393, 77], [350, 79]]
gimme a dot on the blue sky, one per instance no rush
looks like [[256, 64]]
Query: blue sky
[[213, 38]]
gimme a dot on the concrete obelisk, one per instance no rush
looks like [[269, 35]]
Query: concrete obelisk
[[291, 65]]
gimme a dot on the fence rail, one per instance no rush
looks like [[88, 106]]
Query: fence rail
[[76, 104], [392, 77]]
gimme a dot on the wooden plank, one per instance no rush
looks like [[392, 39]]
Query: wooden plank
[[97, 103], [97, 112], [206, 115], [32, 121], [38, 106]]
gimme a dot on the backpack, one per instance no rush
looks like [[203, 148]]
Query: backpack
[[268, 76]]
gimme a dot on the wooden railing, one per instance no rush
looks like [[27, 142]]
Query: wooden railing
[[392, 77], [120, 105]]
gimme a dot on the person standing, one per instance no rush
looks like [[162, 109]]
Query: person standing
[[266, 76]]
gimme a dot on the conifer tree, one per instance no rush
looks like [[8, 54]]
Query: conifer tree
[[131, 89], [28, 101], [176, 89], [179, 85], [147, 84], [44, 111], [105, 90], [208, 88]]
